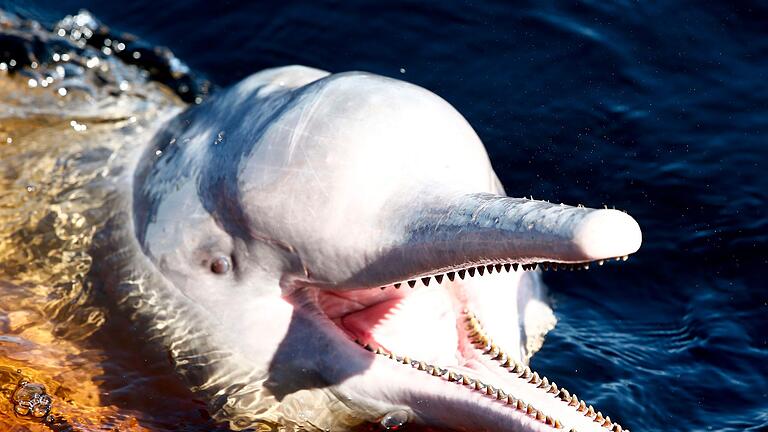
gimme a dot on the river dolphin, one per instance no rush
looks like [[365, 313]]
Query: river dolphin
[[318, 250]]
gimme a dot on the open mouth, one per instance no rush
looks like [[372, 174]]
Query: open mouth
[[457, 326]]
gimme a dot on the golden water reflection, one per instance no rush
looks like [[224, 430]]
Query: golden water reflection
[[47, 220]]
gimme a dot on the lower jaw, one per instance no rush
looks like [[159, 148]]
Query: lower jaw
[[486, 375], [487, 390], [483, 383]]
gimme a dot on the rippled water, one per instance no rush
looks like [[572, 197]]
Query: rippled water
[[660, 109]]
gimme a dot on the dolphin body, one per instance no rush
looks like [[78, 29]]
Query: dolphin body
[[319, 250]]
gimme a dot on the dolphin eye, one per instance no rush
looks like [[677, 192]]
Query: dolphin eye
[[221, 265]]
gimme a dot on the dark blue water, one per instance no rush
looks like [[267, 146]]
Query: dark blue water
[[659, 109]]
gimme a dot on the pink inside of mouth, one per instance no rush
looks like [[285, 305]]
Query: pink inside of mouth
[[419, 322]]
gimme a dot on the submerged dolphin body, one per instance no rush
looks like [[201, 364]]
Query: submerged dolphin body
[[319, 250]]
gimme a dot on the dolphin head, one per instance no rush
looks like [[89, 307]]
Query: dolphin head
[[348, 254]]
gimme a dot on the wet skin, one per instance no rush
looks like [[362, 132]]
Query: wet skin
[[321, 250]]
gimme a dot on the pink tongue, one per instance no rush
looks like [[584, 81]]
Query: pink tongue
[[421, 326]]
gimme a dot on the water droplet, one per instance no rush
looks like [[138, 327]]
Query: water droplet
[[394, 420], [219, 138], [78, 127], [30, 399], [402, 70]]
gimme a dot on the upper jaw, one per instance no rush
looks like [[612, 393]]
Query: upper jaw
[[442, 236]]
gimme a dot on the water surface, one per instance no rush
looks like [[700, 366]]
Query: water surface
[[658, 109]]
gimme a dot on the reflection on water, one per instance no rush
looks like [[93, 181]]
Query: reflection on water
[[55, 169]]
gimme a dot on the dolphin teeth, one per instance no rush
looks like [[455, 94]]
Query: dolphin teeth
[[583, 407], [397, 285], [508, 266], [544, 383], [480, 270], [535, 378], [540, 416], [558, 425], [520, 405], [511, 400], [515, 266], [501, 395], [625, 257], [493, 351], [526, 373], [471, 271], [608, 423], [498, 268], [564, 395], [590, 411], [599, 417], [454, 377], [616, 428], [451, 275], [439, 279], [490, 391], [601, 262], [531, 410], [425, 281], [533, 266], [574, 401], [411, 283], [554, 390], [550, 421], [467, 381], [489, 267], [461, 273], [368, 347]]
